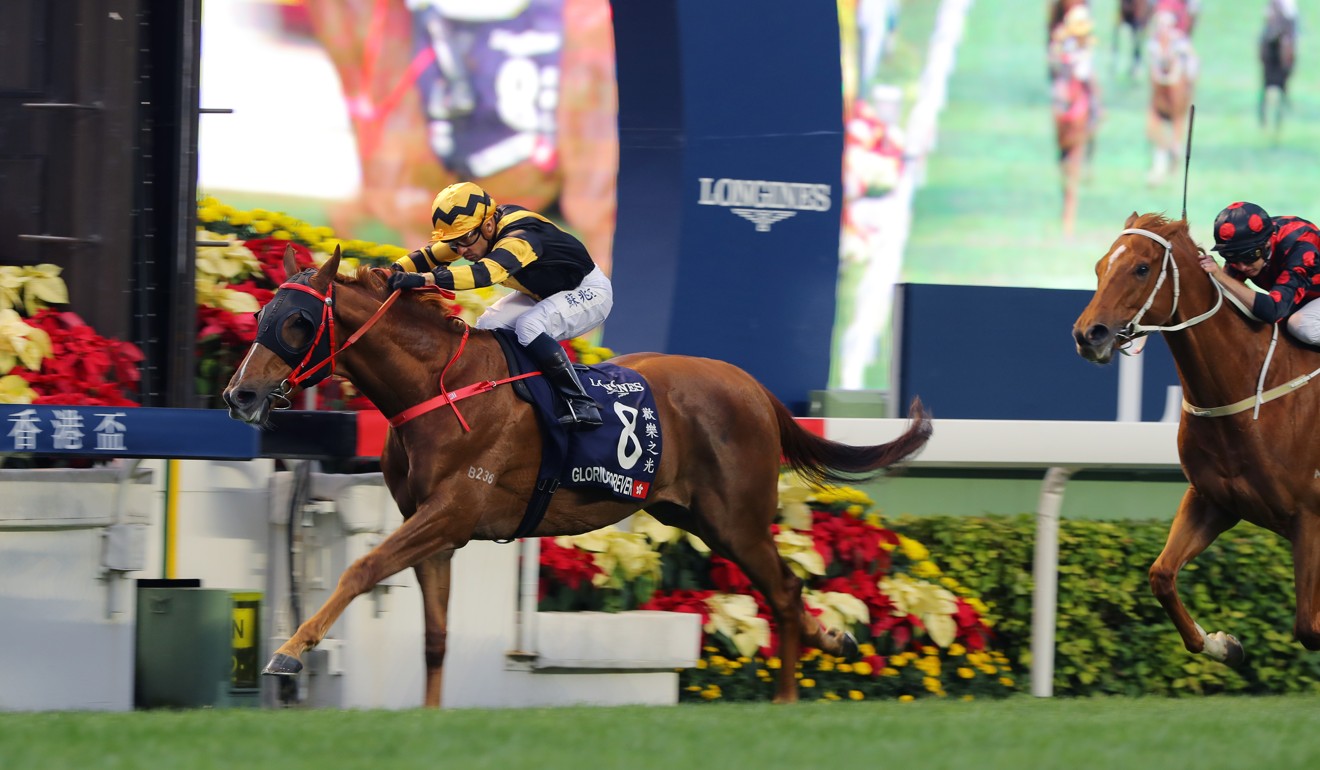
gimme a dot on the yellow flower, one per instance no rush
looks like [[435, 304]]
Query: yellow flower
[[863, 668], [734, 616], [888, 671], [912, 549], [933, 604], [773, 663], [832, 696], [794, 492], [262, 226], [619, 555], [646, 524], [926, 569], [20, 343], [15, 390], [211, 294], [225, 264], [33, 286], [932, 685], [798, 550], [966, 673], [905, 699], [1006, 681], [711, 692], [808, 683], [855, 695], [837, 610]]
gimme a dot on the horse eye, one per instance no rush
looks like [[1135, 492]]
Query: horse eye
[[1142, 270], [297, 332]]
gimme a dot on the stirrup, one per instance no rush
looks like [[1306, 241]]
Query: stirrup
[[581, 416]]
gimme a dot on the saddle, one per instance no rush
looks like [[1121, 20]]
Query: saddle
[[619, 458]]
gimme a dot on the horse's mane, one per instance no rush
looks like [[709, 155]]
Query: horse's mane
[[1165, 226]]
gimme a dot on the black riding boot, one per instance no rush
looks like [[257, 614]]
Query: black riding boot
[[549, 355]]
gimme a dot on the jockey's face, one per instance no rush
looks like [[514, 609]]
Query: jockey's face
[[475, 244], [1252, 269]]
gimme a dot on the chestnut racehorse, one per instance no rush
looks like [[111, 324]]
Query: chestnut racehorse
[[724, 437], [1241, 464]]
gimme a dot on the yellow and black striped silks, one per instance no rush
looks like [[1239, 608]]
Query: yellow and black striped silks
[[530, 254]]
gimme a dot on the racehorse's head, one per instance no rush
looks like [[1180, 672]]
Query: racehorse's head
[[294, 342], [1138, 280]]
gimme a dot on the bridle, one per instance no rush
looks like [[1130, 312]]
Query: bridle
[[308, 367], [1134, 329]]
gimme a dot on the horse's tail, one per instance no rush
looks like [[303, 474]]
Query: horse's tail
[[821, 461]]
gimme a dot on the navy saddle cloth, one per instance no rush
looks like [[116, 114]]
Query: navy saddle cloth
[[622, 455]]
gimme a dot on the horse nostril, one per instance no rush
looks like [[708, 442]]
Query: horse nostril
[[239, 397], [1097, 334]]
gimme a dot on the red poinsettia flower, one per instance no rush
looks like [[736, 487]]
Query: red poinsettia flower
[[270, 253], [84, 368], [571, 567]]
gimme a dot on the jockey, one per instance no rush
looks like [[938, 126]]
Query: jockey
[[559, 292], [1169, 48], [1184, 13], [1072, 58], [1278, 254]]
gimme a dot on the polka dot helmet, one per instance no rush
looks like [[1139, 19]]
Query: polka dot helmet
[[1240, 229]]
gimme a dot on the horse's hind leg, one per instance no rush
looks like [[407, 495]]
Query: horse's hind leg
[[1195, 527], [1306, 576], [741, 534], [433, 577]]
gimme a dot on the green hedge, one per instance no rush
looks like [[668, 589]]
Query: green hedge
[[1112, 636]]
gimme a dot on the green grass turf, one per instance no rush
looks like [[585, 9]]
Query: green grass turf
[[1023, 732]]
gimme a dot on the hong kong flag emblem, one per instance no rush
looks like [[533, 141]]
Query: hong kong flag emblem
[[639, 489]]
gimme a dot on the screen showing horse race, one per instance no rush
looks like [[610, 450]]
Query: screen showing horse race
[[983, 144]]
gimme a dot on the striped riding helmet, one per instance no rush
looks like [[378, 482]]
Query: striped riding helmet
[[1240, 229], [459, 209]]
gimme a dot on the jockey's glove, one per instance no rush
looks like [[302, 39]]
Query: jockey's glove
[[400, 280]]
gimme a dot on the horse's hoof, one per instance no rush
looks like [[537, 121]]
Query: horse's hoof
[[282, 665], [849, 650], [1235, 654]]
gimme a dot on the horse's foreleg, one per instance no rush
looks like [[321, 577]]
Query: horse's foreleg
[[1195, 527], [433, 577], [426, 533]]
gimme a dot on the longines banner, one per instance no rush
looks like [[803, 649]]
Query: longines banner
[[730, 163]]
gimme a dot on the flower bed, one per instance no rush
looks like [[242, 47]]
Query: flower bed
[[921, 632]]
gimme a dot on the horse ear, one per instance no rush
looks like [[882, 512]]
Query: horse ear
[[290, 264], [1130, 220], [328, 270]]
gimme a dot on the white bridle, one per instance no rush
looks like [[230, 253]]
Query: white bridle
[[1134, 328]]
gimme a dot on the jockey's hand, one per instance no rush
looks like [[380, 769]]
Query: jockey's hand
[[405, 281], [1209, 264]]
